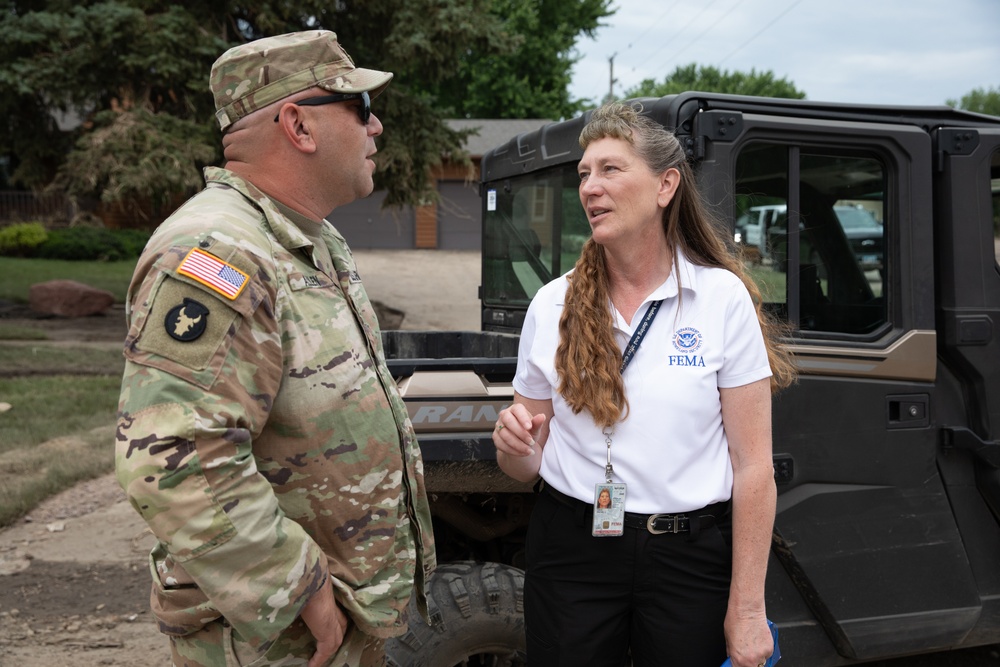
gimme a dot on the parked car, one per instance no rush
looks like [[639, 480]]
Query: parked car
[[862, 230], [752, 227], [864, 234]]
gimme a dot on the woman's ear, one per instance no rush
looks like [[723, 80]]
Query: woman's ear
[[669, 180]]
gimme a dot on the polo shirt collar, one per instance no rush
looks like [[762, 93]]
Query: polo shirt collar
[[670, 288]]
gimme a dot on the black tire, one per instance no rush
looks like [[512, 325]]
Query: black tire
[[477, 619]]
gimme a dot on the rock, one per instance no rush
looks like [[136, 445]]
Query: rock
[[68, 298], [11, 565]]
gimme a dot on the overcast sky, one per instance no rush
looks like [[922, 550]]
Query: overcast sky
[[864, 51]]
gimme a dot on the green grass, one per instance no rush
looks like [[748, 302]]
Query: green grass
[[20, 274], [11, 332], [33, 474], [43, 408], [59, 428], [58, 431], [772, 284], [28, 359]]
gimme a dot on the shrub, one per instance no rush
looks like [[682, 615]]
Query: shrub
[[92, 243], [21, 239], [132, 241]]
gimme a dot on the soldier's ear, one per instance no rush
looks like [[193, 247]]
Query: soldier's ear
[[295, 124]]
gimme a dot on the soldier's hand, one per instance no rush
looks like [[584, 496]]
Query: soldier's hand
[[327, 622]]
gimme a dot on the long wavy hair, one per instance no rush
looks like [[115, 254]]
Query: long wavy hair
[[588, 358]]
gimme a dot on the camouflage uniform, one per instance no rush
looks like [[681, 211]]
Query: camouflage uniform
[[262, 438]]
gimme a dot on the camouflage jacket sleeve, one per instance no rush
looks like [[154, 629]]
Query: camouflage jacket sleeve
[[204, 364]]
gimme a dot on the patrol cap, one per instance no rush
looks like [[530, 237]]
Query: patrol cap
[[253, 75]]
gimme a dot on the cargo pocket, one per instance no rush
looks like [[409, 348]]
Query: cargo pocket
[[179, 605], [295, 645]]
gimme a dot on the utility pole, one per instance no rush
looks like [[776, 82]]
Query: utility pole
[[611, 78]]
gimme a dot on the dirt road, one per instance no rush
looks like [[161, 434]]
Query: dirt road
[[74, 583]]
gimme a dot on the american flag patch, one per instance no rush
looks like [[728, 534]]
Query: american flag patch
[[211, 271]]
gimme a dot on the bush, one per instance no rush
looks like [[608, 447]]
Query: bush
[[133, 241], [21, 239], [92, 243]]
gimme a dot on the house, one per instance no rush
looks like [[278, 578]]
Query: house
[[453, 223]]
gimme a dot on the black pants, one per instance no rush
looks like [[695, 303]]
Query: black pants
[[596, 600]]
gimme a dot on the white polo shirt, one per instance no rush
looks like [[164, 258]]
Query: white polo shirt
[[671, 450]]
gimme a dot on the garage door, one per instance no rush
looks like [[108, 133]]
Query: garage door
[[458, 216], [366, 226]]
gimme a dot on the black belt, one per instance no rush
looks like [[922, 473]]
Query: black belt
[[656, 524]]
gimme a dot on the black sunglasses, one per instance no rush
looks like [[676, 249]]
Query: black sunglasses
[[364, 111]]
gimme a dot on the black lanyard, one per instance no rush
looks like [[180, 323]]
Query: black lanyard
[[640, 333]]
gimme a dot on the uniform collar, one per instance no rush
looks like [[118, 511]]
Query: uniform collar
[[285, 231]]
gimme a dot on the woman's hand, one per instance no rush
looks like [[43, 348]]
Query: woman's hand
[[748, 640], [515, 431], [519, 436]]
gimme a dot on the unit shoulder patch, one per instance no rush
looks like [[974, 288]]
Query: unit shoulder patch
[[187, 321], [185, 324]]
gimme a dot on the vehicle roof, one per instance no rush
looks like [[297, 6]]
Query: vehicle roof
[[558, 142]]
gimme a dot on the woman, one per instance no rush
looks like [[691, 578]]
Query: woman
[[647, 369], [604, 499]]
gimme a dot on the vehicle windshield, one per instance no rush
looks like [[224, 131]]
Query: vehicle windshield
[[855, 217], [533, 231]]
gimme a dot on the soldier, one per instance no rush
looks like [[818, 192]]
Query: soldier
[[260, 434]]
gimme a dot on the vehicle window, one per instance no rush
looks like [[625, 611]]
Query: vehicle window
[[813, 235], [521, 247]]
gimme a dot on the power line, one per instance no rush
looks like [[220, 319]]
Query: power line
[[759, 32], [667, 42], [653, 24], [722, 16]]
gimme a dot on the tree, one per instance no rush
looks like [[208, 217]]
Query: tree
[[712, 80], [533, 80], [979, 100], [129, 75], [134, 74]]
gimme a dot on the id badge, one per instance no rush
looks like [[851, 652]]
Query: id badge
[[609, 510]]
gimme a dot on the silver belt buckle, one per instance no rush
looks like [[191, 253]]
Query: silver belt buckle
[[651, 522]]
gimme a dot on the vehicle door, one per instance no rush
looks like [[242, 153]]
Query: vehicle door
[[867, 557], [967, 199]]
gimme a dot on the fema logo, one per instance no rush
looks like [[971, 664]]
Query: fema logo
[[687, 340]]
